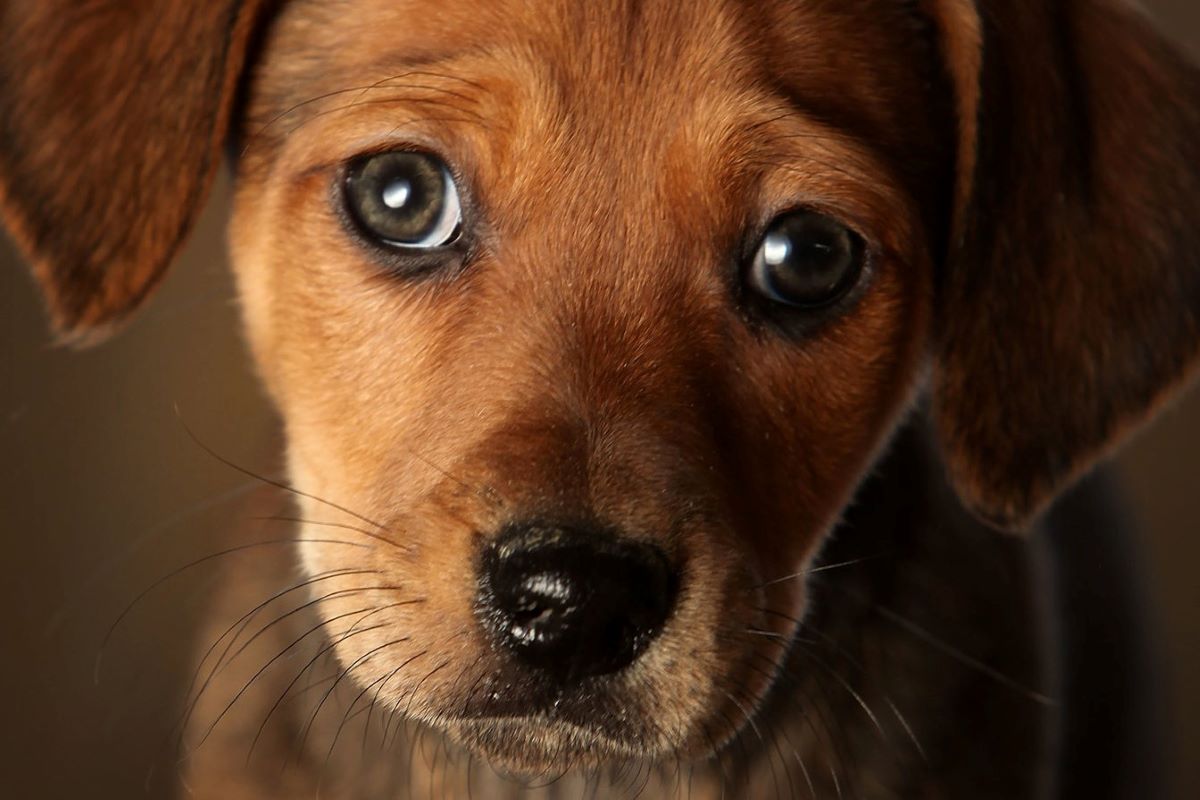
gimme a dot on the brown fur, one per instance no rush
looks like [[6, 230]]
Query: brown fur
[[1025, 175]]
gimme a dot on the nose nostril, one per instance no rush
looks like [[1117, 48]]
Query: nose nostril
[[574, 604]]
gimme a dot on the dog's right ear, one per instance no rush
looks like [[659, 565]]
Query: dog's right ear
[[113, 114]]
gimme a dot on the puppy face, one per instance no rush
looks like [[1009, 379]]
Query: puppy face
[[602, 361], [586, 318]]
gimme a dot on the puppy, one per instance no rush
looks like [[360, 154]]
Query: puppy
[[646, 371]]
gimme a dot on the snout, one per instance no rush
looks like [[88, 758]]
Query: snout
[[570, 603], [577, 595]]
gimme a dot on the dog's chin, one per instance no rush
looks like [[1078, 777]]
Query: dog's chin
[[539, 747]]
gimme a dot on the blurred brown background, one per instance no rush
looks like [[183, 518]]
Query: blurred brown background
[[103, 492]]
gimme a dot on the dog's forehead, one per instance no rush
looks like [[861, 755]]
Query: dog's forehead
[[858, 63]]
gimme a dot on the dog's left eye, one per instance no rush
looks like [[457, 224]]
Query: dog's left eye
[[806, 260], [404, 199]]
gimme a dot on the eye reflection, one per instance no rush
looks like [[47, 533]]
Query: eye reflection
[[396, 195], [776, 249]]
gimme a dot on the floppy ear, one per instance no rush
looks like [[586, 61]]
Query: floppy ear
[[112, 118], [1070, 303]]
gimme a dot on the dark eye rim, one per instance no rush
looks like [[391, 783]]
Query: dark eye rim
[[799, 321], [396, 258]]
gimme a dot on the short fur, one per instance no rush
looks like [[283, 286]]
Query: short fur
[[1026, 175]]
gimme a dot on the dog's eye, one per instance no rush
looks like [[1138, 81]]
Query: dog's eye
[[404, 199], [806, 260]]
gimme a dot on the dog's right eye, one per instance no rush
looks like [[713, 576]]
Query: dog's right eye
[[404, 199]]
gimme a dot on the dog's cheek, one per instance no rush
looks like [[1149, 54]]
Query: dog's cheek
[[249, 233], [339, 346], [820, 411]]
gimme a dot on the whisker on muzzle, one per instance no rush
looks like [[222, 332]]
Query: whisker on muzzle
[[338, 525], [485, 492], [302, 739], [815, 571], [55, 621], [97, 667], [278, 484], [240, 626], [327, 649], [246, 687]]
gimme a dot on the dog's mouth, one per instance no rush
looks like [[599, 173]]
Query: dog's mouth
[[531, 731], [589, 728], [544, 746], [531, 728], [525, 723]]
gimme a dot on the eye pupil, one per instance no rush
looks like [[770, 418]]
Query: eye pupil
[[806, 260], [404, 200]]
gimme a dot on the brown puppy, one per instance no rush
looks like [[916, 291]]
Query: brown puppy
[[587, 321]]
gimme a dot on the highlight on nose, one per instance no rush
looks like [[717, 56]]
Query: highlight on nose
[[574, 604]]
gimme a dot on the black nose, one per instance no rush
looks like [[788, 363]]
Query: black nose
[[574, 604]]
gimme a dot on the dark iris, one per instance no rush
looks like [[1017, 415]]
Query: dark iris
[[806, 260], [404, 198]]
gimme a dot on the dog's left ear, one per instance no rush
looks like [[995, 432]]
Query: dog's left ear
[[1070, 303], [113, 114]]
